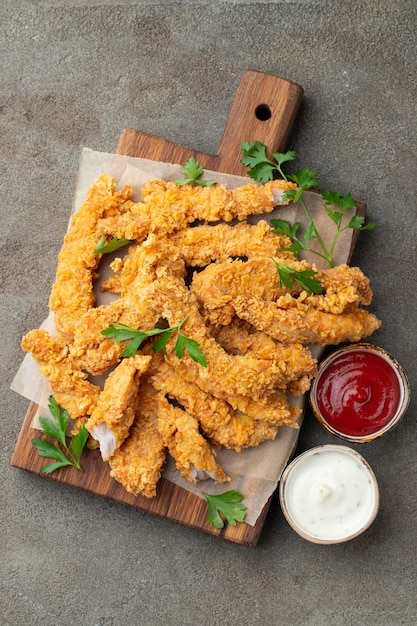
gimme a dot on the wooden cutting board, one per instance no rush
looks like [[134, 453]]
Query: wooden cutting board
[[264, 110]]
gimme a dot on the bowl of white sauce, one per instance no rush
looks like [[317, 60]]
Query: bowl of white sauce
[[329, 494]]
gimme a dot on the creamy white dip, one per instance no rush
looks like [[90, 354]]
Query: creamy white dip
[[330, 493]]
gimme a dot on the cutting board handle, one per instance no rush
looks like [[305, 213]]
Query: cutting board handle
[[263, 110]]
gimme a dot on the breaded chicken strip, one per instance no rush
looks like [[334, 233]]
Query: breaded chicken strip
[[302, 323], [138, 463], [194, 458], [72, 293], [200, 245], [219, 284], [69, 384], [296, 360], [168, 207], [113, 416]]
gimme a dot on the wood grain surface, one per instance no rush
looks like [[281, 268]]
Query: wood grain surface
[[264, 110]]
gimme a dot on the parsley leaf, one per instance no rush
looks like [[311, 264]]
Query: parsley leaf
[[260, 167], [114, 244], [303, 278], [120, 332], [192, 171], [225, 506], [305, 179], [63, 454]]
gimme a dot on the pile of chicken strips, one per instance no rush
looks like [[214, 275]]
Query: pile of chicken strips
[[193, 255]]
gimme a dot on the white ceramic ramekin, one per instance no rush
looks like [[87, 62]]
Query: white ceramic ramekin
[[329, 494]]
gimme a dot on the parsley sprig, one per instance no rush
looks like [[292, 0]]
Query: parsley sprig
[[63, 454], [263, 169], [120, 332], [225, 506], [192, 171], [343, 204], [304, 278], [103, 246]]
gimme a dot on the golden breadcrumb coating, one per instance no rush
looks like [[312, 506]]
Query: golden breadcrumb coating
[[138, 463], [241, 423], [219, 284], [168, 207]]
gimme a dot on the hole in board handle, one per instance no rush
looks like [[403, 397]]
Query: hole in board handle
[[263, 112]]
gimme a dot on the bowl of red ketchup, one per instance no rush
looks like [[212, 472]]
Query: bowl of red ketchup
[[360, 393]]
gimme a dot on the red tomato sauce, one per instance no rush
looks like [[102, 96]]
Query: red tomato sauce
[[358, 393]]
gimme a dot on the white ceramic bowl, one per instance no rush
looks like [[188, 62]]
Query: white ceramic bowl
[[329, 494]]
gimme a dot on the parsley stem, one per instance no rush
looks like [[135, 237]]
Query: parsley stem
[[72, 457], [325, 255]]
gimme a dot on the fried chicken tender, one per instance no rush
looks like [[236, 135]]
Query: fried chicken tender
[[72, 293], [113, 416], [296, 360], [138, 463], [242, 431], [216, 202], [194, 458], [200, 245], [301, 323], [69, 384], [219, 284], [168, 207]]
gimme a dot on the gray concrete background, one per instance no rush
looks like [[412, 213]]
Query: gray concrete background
[[73, 74]]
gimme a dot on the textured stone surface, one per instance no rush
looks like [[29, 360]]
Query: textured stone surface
[[74, 74]]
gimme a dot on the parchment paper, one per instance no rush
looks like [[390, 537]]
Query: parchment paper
[[258, 469]]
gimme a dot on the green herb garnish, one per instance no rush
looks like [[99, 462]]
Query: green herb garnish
[[63, 454], [262, 169], [120, 332], [304, 278], [192, 172], [103, 246], [343, 204], [225, 506]]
